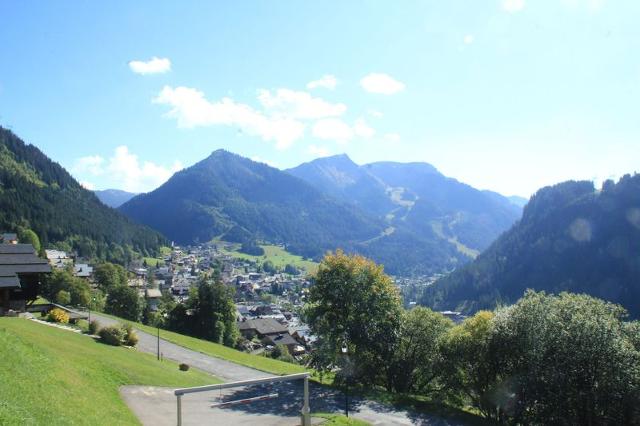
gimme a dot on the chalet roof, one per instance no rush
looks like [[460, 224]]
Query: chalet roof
[[282, 339], [9, 281], [263, 326], [20, 259]]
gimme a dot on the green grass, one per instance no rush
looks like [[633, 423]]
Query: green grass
[[261, 363], [56, 377], [152, 262], [279, 256], [165, 251], [339, 420]]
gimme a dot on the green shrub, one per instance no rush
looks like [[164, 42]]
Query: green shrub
[[58, 315], [112, 335], [63, 297], [83, 325], [94, 327], [130, 336], [184, 367]]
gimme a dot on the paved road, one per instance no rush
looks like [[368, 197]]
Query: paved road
[[157, 406], [225, 370]]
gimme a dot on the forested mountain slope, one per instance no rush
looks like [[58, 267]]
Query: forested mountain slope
[[39, 194], [571, 237]]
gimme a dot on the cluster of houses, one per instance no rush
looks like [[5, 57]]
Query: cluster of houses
[[266, 326]]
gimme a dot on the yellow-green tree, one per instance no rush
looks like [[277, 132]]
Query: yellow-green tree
[[354, 304]]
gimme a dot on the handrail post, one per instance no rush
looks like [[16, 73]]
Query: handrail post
[[306, 418], [179, 398]]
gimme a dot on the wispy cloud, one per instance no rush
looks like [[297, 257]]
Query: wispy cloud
[[91, 164], [154, 65], [468, 39], [125, 171], [381, 83], [191, 109], [297, 104], [337, 130], [327, 81], [318, 151]]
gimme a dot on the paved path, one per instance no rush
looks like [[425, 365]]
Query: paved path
[[225, 370], [157, 406]]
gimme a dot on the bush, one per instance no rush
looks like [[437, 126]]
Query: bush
[[94, 327], [112, 335], [130, 336], [83, 325], [184, 367], [58, 315], [63, 297]]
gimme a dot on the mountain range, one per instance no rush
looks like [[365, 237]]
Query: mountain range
[[409, 217], [114, 197], [571, 238], [37, 193]]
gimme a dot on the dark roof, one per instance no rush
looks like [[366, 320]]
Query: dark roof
[[263, 326], [282, 339], [17, 249], [20, 259], [9, 281]]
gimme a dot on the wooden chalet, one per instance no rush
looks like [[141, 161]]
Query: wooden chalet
[[20, 273]]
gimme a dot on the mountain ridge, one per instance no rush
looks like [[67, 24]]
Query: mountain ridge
[[571, 238], [38, 193]]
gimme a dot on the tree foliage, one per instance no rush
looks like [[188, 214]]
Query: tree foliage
[[39, 195], [124, 301], [571, 238], [353, 303], [208, 314]]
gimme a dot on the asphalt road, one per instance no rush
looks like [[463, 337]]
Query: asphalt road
[[157, 406]]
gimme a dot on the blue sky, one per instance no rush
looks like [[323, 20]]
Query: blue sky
[[508, 95]]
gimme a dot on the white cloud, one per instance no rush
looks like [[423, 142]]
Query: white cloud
[[262, 160], [468, 39], [362, 129], [153, 66], [88, 185], [131, 175], [381, 83], [337, 130], [318, 151], [332, 129], [513, 6], [392, 138], [326, 81], [375, 113], [299, 105], [91, 164], [191, 109]]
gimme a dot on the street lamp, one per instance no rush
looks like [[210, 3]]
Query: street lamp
[[346, 372], [164, 316]]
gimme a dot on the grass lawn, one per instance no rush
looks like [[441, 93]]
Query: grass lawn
[[279, 256], [56, 377], [152, 262], [339, 420], [220, 351]]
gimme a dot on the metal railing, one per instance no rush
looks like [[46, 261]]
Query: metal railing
[[305, 413]]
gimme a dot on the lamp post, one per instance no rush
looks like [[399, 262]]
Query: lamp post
[[346, 372], [158, 325]]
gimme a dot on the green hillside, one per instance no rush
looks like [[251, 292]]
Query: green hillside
[[56, 377], [37, 193], [571, 238], [276, 254]]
